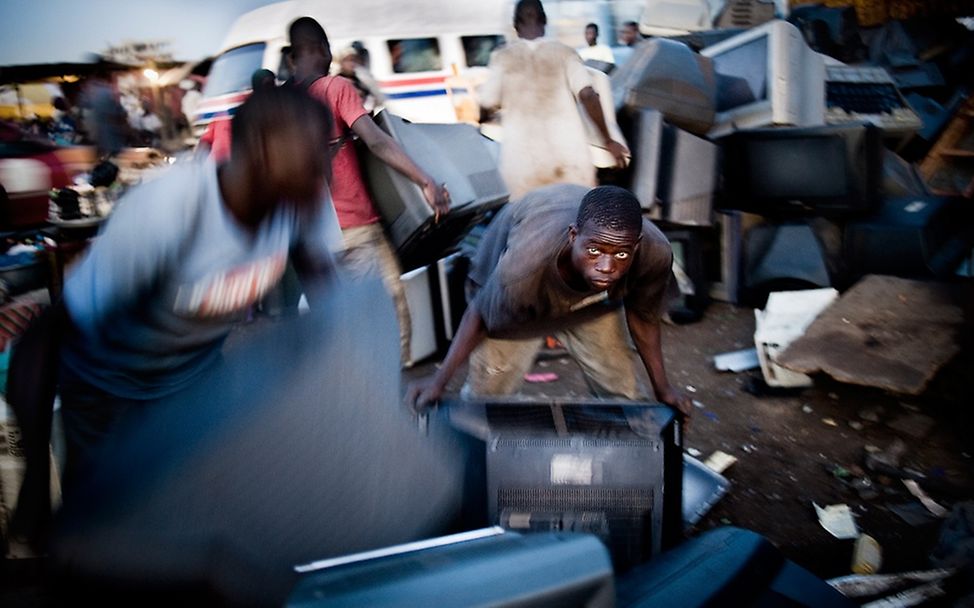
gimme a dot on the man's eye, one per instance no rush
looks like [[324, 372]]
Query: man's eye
[[593, 251], [622, 255]]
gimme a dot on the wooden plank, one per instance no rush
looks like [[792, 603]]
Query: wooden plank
[[886, 332]]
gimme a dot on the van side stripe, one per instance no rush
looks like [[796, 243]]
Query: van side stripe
[[416, 94], [412, 82]]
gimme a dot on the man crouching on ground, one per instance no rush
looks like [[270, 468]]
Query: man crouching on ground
[[570, 262]]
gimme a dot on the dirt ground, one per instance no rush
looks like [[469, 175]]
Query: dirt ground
[[808, 445]]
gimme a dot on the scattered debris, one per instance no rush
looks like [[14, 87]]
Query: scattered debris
[[737, 361], [886, 461], [702, 488], [871, 414], [807, 409], [719, 461], [830, 421], [834, 396], [935, 508], [694, 452], [698, 404], [860, 585], [867, 555], [855, 425], [910, 597], [837, 520], [785, 317], [749, 448], [540, 378], [712, 416], [691, 389]]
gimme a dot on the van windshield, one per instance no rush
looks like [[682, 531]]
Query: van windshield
[[232, 70]]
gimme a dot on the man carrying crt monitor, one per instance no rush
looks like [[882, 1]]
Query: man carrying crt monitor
[[581, 264]]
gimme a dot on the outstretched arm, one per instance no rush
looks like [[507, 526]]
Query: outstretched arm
[[647, 336], [593, 107], [423, 393], [386, 148]]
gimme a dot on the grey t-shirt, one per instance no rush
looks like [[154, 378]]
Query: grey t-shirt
[[519, 292], [172, 271]]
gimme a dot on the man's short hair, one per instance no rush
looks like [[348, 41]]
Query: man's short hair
[[276, 109], [529, 10], [611, 207], [631, 24], [594, 26], [306, 32]]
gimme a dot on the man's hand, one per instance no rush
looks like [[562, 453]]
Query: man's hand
[[422, 394], [619, 152], [437, 197], [680, 401]]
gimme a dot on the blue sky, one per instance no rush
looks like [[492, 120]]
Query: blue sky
[[50, 31]]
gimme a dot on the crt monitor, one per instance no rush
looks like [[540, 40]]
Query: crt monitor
[[767, 76], [826, 170], [604, 467], [453, 154]]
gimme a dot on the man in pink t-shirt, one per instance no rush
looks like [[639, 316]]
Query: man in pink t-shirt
[[368, 250]]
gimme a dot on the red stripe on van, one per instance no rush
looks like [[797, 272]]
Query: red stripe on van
[[412, 81]]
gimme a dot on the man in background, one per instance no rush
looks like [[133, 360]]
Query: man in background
[[367, 249], [538, 84], [629, 37], [593, 51]]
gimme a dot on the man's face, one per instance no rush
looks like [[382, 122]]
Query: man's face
[[629, 35], [591, 35], [600, 255]]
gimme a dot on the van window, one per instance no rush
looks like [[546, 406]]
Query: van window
[[232, 70], [477, 49], [415, 55]]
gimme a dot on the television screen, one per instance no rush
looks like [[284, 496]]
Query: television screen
[[829, 169], [742, 74]]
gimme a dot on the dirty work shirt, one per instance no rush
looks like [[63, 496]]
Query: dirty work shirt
[[535, 83], [520, 292], [352, 201], [161, 287]]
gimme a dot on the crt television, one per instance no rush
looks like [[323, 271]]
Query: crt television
[[767, 76], [827, 170], [453, 154], [609, 468]]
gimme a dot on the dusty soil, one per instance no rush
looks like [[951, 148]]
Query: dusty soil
[[808, 445]]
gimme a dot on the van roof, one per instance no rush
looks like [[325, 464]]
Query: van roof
[[344, 19]]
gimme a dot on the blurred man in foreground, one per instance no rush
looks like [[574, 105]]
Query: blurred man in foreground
[[184, 257], [566, 260]]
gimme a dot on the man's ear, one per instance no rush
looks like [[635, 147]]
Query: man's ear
[[572, 234]]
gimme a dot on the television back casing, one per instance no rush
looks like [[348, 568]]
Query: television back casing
[[610, 468], [795, 81], [668, 76], [674, 172], [453, 154]]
